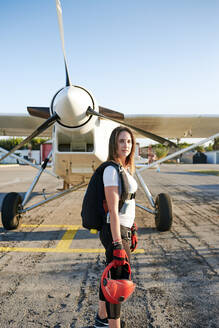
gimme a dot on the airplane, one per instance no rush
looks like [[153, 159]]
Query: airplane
[[80, 131]]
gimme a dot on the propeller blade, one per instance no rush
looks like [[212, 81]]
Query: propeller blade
[[42, 112], [111, 113], [146, 134], [61, 31], [51, 120]]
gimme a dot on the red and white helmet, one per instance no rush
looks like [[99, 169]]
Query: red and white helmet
[[116, 291]]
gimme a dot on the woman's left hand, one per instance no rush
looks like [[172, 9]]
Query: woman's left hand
[[134, 237]]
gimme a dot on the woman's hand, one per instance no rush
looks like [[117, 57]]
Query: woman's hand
[[134, 237], [119, 255]]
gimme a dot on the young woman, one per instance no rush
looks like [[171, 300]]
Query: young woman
[[116, 233]]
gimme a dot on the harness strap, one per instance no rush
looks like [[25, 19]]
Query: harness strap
[[131, 196]]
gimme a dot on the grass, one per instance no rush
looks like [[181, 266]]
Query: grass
[[210, 172]]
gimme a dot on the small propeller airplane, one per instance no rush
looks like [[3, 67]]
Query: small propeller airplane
[[80, 131]]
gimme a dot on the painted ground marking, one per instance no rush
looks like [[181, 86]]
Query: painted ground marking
[[63, 245]]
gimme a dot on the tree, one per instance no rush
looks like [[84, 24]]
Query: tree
[[216, 144], [160, 150], [209, 147], [183, 145], [200, 149], [36, 142], [10, 143]]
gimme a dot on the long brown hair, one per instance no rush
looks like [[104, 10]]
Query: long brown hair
[[113, 145]]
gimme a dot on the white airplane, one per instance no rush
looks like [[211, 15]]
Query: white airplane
[[80, 131]]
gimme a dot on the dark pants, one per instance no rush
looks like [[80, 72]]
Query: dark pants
[[113, 310]]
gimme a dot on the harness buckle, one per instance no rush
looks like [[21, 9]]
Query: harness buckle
[[129, 234]]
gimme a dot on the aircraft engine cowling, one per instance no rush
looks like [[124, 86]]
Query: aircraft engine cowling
[[71, 104]]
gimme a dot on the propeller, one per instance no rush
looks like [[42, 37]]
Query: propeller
[[105, 112], [111, 113], [42, 112], [50, 121], [61, 31], [146, 134]]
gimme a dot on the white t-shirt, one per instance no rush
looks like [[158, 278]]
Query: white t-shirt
[[127, 212]]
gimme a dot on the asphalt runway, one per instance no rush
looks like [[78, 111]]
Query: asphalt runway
[[50, 267]]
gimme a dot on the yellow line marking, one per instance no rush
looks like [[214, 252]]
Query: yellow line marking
[[139, 251], [74, 226], [51, 250], [66, 241], [55, 250], [63, 245]]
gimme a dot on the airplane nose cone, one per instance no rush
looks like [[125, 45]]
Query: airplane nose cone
[[71, 104]]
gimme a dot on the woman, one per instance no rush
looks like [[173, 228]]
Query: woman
[[116, 233]]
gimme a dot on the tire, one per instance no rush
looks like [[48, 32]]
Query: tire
[[10, 205], [164, 216]]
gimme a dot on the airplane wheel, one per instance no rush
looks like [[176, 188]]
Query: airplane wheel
[[163, 217], [10, 205]]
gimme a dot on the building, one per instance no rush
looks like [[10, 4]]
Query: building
[[212, 157]]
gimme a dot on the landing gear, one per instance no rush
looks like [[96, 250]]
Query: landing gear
[[10, 207], [163, 216], [162, 207]]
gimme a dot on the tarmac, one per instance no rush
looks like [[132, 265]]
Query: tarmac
[[50, 267]]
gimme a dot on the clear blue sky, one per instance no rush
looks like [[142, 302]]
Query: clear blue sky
[[142, 56]]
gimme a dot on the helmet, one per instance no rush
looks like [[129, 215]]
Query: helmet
[[116, 291]]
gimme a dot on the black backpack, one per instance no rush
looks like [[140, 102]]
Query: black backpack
[[93, 212]]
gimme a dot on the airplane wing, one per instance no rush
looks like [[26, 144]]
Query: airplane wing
[[176, 126], [167, 126], [21, 125]]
